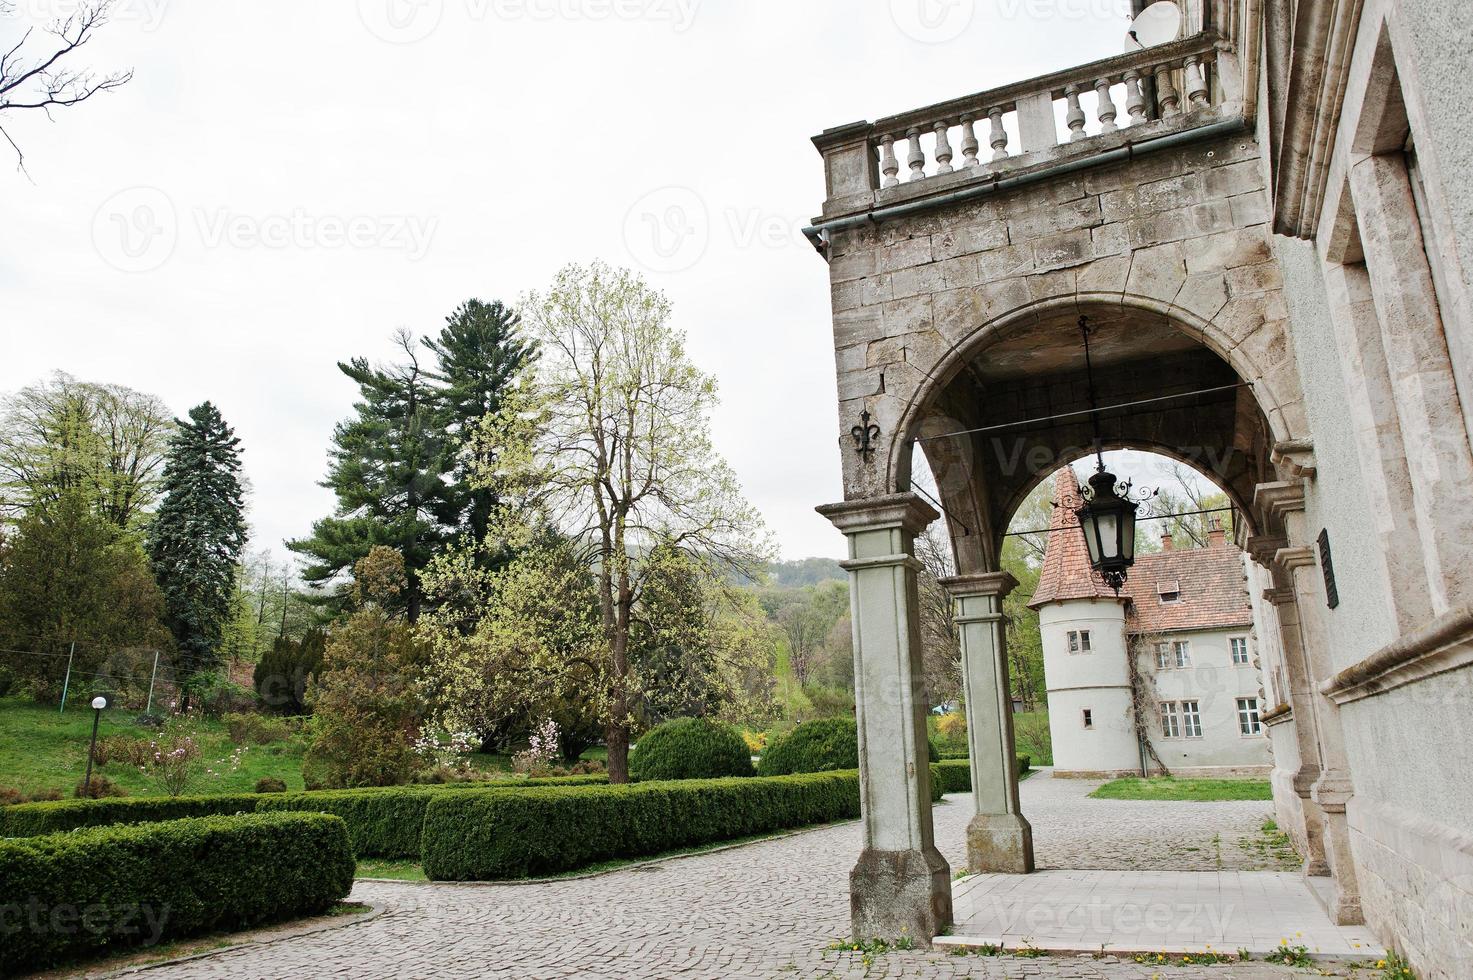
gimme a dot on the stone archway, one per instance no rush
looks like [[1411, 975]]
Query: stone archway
[[956, 329]]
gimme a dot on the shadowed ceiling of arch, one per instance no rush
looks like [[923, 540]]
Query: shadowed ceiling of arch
[[1032, 380]]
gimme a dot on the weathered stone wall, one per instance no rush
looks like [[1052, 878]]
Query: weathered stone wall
[[1180, 233]]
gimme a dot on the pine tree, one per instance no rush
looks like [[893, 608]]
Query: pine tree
[[398, 470], [389, 470], [480, 353], [197, 538]]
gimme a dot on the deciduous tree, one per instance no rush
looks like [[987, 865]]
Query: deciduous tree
[[106, 442], [611, 444]]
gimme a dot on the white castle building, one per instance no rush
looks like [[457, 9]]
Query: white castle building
[[1161, 676]]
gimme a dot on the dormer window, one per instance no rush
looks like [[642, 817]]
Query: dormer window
[[1169, 591]]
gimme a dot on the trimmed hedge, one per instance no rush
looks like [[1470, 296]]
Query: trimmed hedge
[[109, 888], [381, 820], [955, 775], [491, 836], [825, 745], [380, 824], [35, 819], [690, 748]]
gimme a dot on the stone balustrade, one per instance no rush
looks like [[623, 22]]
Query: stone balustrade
[[977, 133]]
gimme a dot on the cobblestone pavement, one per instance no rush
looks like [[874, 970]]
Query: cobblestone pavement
[[764, 910]]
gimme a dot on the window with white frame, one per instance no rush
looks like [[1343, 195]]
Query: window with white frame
[[1079, 641], [1163, 656], [1170, 724], [1191, 719], [1248, 722], [1182, 650], [1239, 646]]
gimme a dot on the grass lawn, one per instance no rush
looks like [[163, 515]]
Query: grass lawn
[[41, 748], [1196, 790]]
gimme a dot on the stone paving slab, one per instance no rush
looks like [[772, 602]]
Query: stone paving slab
[[769, 910], [1131, 912]]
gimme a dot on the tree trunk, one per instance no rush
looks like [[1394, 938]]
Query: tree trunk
[[617, 737]]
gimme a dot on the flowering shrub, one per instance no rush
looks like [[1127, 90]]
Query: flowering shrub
[[542, 751], [451, 754], [756, 741], [175, 761]]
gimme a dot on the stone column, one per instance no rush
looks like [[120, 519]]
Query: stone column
[[998, 837], [1297, 570], [901, 885], [1333, 789], [1301, 699]]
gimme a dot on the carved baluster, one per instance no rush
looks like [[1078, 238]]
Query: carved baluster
[[969, 143], [1135, 101], [1168, 103], [1196, 83], [943, 150], [1074, 118], [1107, 106], [917, 158], [889, 166], [997, 137]]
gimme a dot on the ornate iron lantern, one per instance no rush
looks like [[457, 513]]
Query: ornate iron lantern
[[1108, 522], [1108, 515]]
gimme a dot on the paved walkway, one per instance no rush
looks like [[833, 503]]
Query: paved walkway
[[766, 910]]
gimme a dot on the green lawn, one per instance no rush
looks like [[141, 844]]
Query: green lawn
[[41, 749], [1196, 790]]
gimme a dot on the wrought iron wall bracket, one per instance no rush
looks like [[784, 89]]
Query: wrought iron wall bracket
[[865, 433]]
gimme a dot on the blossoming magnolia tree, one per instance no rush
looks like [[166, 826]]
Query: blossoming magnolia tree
[[607, 474]]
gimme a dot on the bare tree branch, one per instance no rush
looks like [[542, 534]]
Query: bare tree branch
[[42, 77]]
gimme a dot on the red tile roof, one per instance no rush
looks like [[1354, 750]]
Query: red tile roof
[[1210, 580], [1214, 593]]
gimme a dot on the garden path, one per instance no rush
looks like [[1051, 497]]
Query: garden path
[[764, 910]]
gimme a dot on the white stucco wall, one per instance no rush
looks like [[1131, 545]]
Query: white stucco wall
[[1216, 684], [1098, 681]]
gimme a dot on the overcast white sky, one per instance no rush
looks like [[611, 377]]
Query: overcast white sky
[[184, 235]]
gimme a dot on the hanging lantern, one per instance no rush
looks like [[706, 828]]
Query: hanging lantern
[[1108, 522]]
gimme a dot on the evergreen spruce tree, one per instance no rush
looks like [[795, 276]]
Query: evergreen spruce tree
[[198, 535]]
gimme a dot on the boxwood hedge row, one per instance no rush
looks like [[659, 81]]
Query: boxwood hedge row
[[382, 822], [109, 888], [955, 775], [34, 819], [489, 836]]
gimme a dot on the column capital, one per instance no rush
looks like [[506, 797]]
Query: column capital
[[1279, 597], [997, 584], [906, 511], [1295, 557], [1274, 501], [1262, 547]]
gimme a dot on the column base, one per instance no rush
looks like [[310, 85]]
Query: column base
[[1001, 842], [894, 894]]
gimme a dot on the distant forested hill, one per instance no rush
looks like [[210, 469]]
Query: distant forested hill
[[805, 571]]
